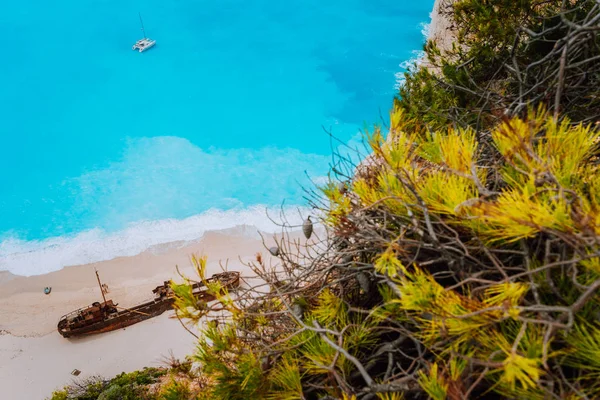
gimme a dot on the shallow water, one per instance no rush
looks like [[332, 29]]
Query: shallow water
[[223, 117]]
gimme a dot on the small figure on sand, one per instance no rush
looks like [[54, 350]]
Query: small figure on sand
[[104, 288]]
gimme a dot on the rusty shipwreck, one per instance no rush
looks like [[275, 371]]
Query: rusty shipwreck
[[106, 316]]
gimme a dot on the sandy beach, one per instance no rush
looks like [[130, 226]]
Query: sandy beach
[[35, 359]]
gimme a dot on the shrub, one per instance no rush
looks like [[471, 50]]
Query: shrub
[[175, 390], [59, 395], [454, 269], [125, 386]]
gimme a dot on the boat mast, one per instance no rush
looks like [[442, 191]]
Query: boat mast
[[100, 284], [142, 23]]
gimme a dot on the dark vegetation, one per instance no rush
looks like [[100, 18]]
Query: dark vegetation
[[132, 386], [171, 382], [510, 55], [461, 259]]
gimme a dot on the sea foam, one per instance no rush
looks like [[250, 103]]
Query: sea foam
[[38, 257], [417, 56]]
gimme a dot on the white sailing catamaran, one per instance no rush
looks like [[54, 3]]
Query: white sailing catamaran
[[145, 43]]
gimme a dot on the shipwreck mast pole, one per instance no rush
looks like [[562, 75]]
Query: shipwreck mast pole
[[100, 285], [142, 23]]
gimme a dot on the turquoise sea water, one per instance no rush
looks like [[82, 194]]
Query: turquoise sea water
[[105, 151]]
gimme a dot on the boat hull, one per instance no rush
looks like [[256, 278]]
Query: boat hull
[[143, 45], [151, 45]]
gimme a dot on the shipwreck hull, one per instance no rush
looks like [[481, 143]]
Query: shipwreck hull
[[121, 320], [99, 318]]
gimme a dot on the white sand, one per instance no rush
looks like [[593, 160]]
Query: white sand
[[30, 368], [35, 359]]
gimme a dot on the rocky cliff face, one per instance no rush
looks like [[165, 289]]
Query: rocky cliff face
[[441, 29]]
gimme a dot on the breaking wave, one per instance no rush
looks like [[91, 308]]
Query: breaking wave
[[38, 257]]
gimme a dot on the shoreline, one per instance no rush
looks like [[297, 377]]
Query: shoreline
[[31, 257]]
